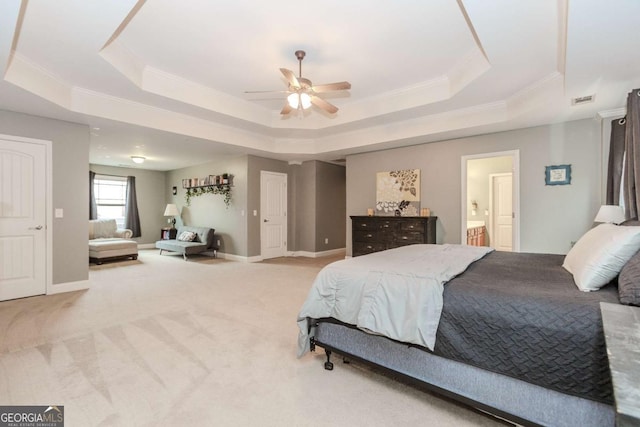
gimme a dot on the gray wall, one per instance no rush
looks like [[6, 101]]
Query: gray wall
[[551, 216], [331, 205], [319, 201], [306, 215], [315, 203], [209, 210], [150, 190], [70, 189]]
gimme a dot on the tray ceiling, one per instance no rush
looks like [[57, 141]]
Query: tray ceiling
[[174, 74]]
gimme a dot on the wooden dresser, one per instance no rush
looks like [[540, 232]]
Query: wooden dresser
[[377, 233]]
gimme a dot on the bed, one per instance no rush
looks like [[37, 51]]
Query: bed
[[515, 336]]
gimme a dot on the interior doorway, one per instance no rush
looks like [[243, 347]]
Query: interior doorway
[[273, 214], [501, 211], [490, 199], [24, 235]]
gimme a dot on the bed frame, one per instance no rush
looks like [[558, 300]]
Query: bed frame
[[514, 400]]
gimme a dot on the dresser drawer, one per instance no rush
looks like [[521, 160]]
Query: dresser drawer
[[409, 238], [365, 224], [365, 236], [387, 225], [362, 248], [412, 225]]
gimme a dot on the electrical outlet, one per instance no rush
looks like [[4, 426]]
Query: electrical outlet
[[326, 241]]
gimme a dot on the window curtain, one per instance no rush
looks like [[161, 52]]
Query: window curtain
[[624, 159], [131, 217], [616, 159], [632, 155], [93, 207]]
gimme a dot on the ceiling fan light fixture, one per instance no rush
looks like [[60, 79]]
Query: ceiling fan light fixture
[[293, 100], [297, 100], [302, 93], [138, 159], [305, 100]]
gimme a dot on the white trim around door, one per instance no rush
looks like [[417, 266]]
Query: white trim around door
[[42, 221], [515, 161]]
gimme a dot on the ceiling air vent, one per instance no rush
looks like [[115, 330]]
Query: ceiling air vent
[[582, 100]]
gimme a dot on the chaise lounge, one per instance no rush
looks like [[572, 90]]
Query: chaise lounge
[[108, 242], [189, 241]]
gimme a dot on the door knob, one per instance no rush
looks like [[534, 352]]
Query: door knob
[[36, 228], [266, 220]]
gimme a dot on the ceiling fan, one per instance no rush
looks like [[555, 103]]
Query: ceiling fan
[[302, 93]]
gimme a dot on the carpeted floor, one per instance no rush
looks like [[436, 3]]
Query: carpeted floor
[[208, 342]]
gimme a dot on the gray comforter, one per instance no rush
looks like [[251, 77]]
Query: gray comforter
[[396, 293], [522, 315]]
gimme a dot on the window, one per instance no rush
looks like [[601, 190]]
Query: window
[[111, 197]]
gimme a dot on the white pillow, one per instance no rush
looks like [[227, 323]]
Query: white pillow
[[187, 236], [600, 254]]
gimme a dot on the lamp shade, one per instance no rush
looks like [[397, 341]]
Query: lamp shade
[[171, 210], [610, 214]]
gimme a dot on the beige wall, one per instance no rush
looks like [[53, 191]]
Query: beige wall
[[551, 216]]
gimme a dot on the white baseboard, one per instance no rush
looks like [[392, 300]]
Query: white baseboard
[[59, 288], [146, 246], [259, 258], [330, 252], [232, 257]]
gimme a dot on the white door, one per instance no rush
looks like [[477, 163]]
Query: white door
[[273, 214], [22, 218], [501, 222]]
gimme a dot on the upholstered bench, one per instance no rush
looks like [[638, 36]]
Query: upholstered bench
[[201, 244], [106, 241], [102, 249]]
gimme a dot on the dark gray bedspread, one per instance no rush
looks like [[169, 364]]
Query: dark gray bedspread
[[521, 315]]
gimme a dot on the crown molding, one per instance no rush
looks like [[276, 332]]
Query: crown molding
[[612, 114]]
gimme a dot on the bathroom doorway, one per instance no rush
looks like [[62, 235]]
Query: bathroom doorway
[[490, 200]]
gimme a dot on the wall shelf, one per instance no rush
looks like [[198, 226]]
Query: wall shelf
[[209, 181], [212, 184]]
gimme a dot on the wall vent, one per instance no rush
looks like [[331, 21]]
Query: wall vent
[[582, 100]]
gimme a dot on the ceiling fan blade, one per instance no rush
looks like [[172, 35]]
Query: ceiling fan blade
[[326, 106], [266, 91], [286, 109], [331, 87], [291, 78]]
